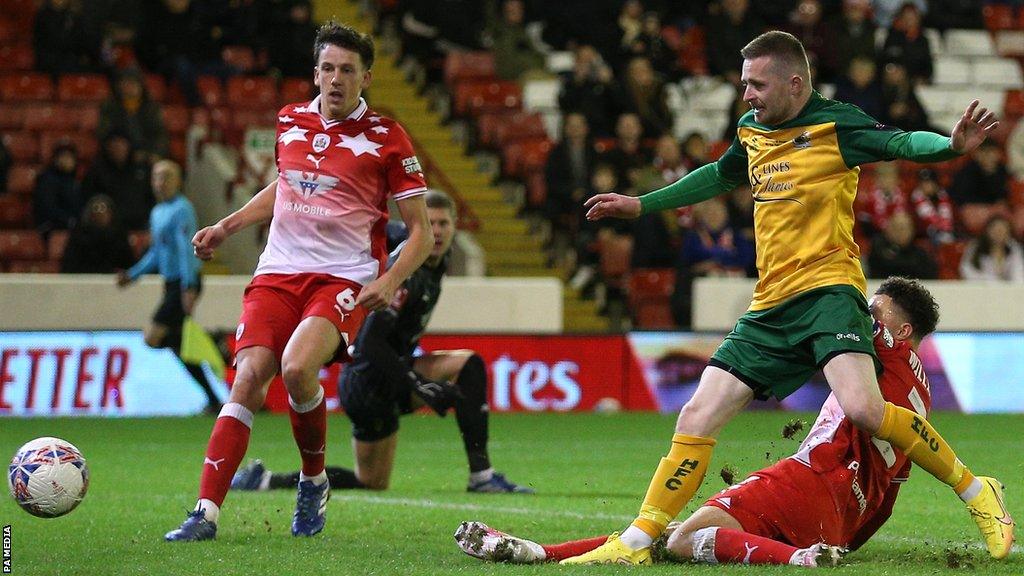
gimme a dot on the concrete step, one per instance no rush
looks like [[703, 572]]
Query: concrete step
[[498, 242], [585, 324], [507, 227], [514, 271], [510, 258]]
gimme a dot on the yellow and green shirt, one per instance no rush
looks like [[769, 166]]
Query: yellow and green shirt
[[803, 176]]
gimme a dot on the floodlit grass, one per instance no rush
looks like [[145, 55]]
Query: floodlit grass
[[590, 473]]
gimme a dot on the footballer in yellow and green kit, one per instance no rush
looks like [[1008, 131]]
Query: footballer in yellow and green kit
[[809, 304]]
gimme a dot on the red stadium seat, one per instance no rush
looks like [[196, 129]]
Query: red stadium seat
[[156, 87], [139, 241], [21, 180], [486, 126], [295, 90], [15, 212], [253, 92], [34, 267], [10, 32], [12, 117], [616, 252], [949, 260], [210, 90], [459, 66], [17, 57], [85, 144], [649, 296], [178, 150], [177, 119], [1013, 105], [473, 98], [39, 117], [245, 119], [241, 58], [21, 13], [89, 118], [717, 148], [519, 126], [21, 245], [1016, 195], [26, 86], [653, 315], [999, 17], [524, 157], [536, 190], [83, 88], [56, 244], [23, 146]]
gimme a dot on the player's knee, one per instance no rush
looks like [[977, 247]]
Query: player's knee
[[680, 545], [297, 375], [472, 379]]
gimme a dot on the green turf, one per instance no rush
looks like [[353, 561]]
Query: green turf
[[590, 472]]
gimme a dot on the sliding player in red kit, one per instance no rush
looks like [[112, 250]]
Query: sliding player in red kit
[[323, 269], [833, 494]]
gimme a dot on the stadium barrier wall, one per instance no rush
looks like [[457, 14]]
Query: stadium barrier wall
[[92, 302], [112, 373]]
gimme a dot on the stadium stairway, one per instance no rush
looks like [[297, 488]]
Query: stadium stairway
[[511, 249]]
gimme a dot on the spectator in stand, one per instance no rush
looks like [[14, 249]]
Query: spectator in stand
[[289, 40], [933, 208], [887, 12], [98, 244], [807, 24], [129, 110], [894, 253], [884, 200], [514, 52], [591, 233], [628, 156], [994, 255], [696, 151], [57, 200], [644, 94], [946, 14], [741, 210], [860, 87], [730, 27], [117, 175], [168, 42], [582, 22], [568, 171], [983, 180], [630, 24], [650, 44], [62, 39], [851, 34], [656, 235], [433, 28], [900, 106], [667, 166], [906, 44], [590, 90]]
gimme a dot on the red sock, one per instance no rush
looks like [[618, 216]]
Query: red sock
[[558, 552], [228, 443], [309, 427], [737, 547]]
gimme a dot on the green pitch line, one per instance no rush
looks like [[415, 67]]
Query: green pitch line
[[590, 472]]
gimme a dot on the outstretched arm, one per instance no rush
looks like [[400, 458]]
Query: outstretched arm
[[972, 128], [697, 186], [258, 209]]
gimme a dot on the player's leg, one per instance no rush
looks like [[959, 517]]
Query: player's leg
[[375, 460], [481, 541], [719, 396], [466, 370], [852, 378], [256, 366], [256, 477], [370, 404]]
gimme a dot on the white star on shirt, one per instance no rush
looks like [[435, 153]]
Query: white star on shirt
[[293, 134], [374, 119], [380, 129], [284, 119], [301, 109], [360, 144]]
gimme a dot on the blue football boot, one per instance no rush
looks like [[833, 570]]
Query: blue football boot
[[310, 508]]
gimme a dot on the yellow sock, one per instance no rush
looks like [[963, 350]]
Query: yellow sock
[[675, 481], [923, 445]]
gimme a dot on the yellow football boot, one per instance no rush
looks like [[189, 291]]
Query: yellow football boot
[[993, 520], [613, 552]]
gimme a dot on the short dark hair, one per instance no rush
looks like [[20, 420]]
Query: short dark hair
[[785, 48], [439, 199], [916, 302], [345, 37]]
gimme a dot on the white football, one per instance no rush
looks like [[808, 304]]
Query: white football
[[48, 477]]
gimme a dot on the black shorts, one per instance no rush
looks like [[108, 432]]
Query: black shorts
[[170, 312], [372, 403]]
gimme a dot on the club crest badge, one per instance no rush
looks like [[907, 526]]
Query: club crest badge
[[321, 142]]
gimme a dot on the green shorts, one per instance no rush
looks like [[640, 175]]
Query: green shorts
[[775, 351]]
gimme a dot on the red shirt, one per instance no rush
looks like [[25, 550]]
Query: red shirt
[[334, 181]]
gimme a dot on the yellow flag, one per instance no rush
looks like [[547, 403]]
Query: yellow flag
[[197, 347]]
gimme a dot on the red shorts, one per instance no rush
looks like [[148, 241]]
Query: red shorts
[[274, 304], [787, 502]]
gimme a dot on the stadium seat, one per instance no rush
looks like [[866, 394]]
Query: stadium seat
[[997, 73], [524, 157], [15, 212], [969, 43], [139, 241], [21, 180], [40, 117], [616, 252], [34, 267], [85, 144], [999, 17], [156, 87], [711, 125], [241, 58], [178, 150], [559, 61], [541, 95], [949, 256], [176, 119], [56, 244], [25, 87], [649, 296], [295, 90], [10, 32], [16, 57], [242, 120], [12, 117], [252, 92], [476, 98], [23, 146], [1016, 194], [89, 118], [536, 190], [518, 126], [653, 315], [210, 90], [952, 69], [459, 66], [1010, 42], [21, 245], [83, 88]]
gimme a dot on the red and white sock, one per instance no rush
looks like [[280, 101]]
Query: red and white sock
[[309, 427], [559, 552], [228, 443], [727, 546]]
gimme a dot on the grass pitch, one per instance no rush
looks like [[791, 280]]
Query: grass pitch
[[590, 472]]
